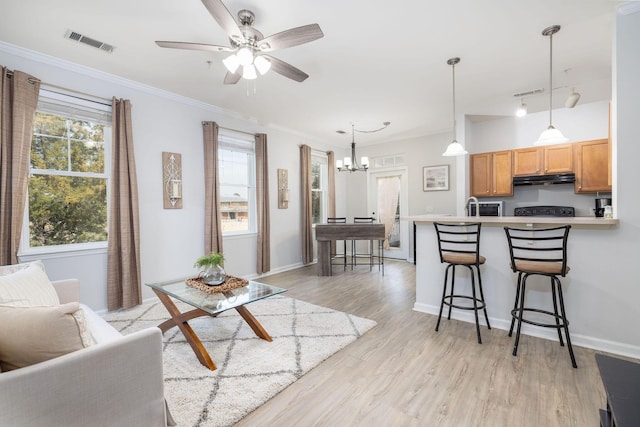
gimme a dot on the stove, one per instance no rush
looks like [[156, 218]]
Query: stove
[[561, 211]]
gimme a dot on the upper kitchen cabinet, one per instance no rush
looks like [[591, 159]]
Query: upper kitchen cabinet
[[557, 158], [550, 159], [527, 161], [491, 174], [592, 166]]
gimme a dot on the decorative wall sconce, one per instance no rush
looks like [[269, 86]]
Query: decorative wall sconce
[[283, 189], [172, 180]]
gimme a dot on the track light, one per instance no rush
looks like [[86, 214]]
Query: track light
[[572, 100], [522, 109]]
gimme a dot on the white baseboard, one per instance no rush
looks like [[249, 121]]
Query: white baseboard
[[545, 333]]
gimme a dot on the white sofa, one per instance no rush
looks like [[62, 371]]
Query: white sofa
[[117, 381]]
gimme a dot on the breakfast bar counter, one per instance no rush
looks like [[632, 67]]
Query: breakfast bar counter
[[586, 287]]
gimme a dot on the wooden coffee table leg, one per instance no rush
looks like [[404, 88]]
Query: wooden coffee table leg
[[253, 322], [180, 321]]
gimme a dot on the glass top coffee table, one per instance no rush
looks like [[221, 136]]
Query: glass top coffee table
[[209, 304]]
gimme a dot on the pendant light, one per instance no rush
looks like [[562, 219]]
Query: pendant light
[[454, 149], [551, 135]]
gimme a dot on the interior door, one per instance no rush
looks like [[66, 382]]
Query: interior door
[[399, 231]]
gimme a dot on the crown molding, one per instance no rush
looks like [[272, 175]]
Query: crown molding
[[111, 78], [629, 7]]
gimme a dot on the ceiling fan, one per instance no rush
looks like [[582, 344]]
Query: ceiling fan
[[250, 49]]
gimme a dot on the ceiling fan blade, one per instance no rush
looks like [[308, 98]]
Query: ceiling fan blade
[[223, 17], [194, 46], [232, 78], [291, 37], [286, 69]]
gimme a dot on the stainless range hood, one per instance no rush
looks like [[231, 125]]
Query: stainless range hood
[[560, 178]]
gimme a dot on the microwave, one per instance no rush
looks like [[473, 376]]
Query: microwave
[[486, 208]]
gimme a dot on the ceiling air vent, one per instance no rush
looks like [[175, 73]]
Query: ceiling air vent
[[72, 35]]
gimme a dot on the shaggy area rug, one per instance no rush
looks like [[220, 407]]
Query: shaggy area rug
[[250, 370]]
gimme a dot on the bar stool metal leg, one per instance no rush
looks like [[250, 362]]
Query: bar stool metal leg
[[566, 324]]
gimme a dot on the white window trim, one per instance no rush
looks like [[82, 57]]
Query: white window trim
[[324, 184], [25, 251], [243, 138]]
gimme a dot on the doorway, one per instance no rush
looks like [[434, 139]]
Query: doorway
[[383, 187]]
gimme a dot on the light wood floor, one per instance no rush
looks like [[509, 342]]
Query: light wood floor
[[403, 373]]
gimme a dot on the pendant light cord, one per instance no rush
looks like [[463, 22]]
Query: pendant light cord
[[550, 78], [453, 71]]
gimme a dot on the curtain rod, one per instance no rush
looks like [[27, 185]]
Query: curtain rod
[[76, 94], [31, 80], [315, 149], [233, 130]]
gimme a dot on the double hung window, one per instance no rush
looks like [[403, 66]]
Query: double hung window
[[67, 206], [319, 186], [236, 166]]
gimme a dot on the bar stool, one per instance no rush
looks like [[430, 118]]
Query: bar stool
[[540, 252], [354, 244], [334, 254], [459, 244]]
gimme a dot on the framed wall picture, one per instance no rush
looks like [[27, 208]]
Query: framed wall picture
[[435, 178]]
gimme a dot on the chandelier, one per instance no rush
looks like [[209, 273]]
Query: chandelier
[[350, 164]]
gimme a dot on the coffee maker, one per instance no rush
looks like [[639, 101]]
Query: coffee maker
[[601, 202]]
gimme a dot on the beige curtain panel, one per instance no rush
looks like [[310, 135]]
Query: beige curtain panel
[[123, 254], [212, 222], [18, 100], [262, 204], [305, 210]]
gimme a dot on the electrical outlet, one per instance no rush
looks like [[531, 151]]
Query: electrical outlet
[[429, 209]]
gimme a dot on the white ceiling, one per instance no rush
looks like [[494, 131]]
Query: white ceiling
[[378, 61]]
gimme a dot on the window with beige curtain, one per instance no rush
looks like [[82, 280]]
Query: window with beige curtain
[[69, 174]]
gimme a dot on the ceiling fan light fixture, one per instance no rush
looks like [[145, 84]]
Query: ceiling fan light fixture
[[232, 63], [245, 56], [262, 64], [249, 72]]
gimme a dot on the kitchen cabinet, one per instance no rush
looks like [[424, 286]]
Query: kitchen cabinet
[[527, 161], [491, 174], [557, 158], [592, 166], [543, 160]]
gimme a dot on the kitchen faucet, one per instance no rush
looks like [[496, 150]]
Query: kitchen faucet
[[475, 201]]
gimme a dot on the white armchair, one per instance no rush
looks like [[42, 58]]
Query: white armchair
[[117, 382]]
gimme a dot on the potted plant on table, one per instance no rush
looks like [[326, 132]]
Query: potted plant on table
[[211, 269]]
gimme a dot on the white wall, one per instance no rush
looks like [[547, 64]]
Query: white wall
[[171, 239], [582, 123], [602, 289], [418, 152]]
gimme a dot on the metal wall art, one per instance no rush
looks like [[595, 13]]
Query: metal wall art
[[172, 180], [283, 189]]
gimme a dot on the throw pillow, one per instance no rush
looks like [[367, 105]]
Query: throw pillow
[[28, 287], [34, 334]]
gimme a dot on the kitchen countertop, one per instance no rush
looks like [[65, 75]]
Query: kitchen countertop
[[578, 220]]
